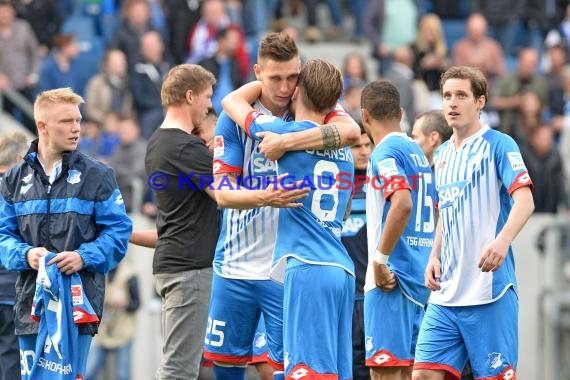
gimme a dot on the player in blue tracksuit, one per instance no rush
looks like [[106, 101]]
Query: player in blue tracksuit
[[309, 258], [60, 200]]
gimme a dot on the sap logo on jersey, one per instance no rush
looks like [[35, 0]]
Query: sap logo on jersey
[[352, 225], [449, 193], [262, 165]]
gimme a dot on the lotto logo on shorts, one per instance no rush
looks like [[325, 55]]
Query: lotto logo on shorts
[[508, 374], [300, 372], [381, 358]]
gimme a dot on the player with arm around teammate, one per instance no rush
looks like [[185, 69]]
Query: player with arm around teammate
[[241, 287], [310, 259]]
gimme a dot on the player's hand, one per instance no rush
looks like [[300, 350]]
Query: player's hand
[[284, 194], [68, 262], [33, 256], [433, 273], [384, 278], [272, 144], [493, 256]]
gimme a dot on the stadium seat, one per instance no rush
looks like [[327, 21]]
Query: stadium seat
[[453, 30]]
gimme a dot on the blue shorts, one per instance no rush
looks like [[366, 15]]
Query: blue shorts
[[260, 349], [391, 325], [318, 317], [235, 309], [487, 335]]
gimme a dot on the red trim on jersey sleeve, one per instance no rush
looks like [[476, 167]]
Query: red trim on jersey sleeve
[[303, 371], [335, 112], [249, 119], [450, 372], [35, 318], [522, 180], [394, 184], [508, 374], [231, 359], [220, 167], [385, 358]]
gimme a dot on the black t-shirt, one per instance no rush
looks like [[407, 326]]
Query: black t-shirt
[[187, 221], [354, 236]]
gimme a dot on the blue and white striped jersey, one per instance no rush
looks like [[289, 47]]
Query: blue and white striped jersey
[[399, 163], [474, 183], [247, 237]]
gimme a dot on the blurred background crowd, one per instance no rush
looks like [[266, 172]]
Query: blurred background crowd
[[115, 54]]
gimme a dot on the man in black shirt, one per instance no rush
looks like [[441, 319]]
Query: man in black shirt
[[187, 222]]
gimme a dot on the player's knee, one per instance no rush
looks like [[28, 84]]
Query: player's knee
[[427, 375]]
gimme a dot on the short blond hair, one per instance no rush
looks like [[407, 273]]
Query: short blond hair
[[182, 78], [56, 96]]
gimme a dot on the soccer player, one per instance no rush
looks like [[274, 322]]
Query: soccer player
[[430, 130], [58, 200], [355, 241], [401, 223], [485, 199], [310, 260], [241, 286]]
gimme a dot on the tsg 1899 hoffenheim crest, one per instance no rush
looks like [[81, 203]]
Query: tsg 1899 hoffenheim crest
[[73, 177]]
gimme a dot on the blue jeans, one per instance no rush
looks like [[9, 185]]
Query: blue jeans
[[98, 357]]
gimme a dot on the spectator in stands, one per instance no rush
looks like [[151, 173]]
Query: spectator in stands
[[118, 327], [145, 81], [90, 140], [45, 19], [546, 168], [128, 165], [507, 97], [390, 24], [478, 50], [354, 71], [109, 90], [430, 51], [312, 31], [527, 117], [224, 66], [109, 138], [58, 68], [401, 75], [136, 22], [503, 17], [202, 38], [182, 16], [558, 82], [19, 59]]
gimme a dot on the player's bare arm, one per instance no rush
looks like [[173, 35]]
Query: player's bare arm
[[494, 254], [274, 195], [396, 222], [433, 268], [144, 238], [341, 131], [237, 104]]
